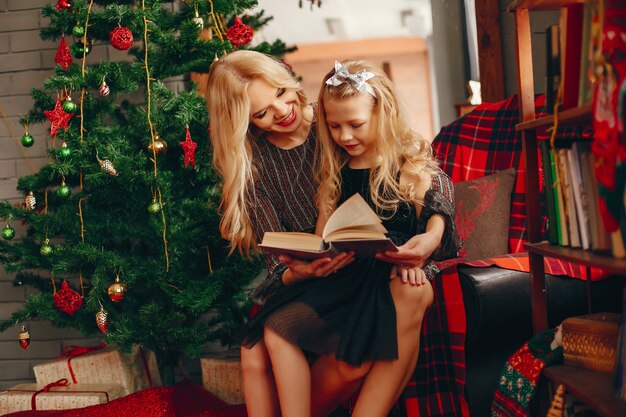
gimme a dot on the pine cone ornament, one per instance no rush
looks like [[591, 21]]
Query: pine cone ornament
[[67, 300], [239, 33], [107, 166], [30, 201], [102, 319]]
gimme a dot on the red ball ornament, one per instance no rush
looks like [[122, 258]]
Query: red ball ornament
[[63, 4], [239, 33], [121, 38], [67, 300]]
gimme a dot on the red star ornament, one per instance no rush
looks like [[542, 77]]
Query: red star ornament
[[63, 56], [58, 118], [189, 147]]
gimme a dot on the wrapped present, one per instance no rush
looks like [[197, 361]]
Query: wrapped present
[[102, 365], [58, 395], [221, 376]]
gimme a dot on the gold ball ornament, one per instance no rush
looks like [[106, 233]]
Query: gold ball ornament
[[117, 290], [24, 338], [159, 145], [30, 201]]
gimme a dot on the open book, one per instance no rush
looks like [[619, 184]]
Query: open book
[[353, 226]]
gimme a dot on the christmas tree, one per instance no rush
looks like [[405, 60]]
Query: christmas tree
[[122, 222]]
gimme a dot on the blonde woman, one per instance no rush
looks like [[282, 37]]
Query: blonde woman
[[367, 148]]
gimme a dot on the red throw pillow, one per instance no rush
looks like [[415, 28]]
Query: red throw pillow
[[483, 208]]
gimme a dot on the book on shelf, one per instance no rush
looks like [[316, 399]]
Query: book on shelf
[[585, 90], [549, 195], [353, 226], [560, 205], [578, 192], [569, 206], [553, 67], [571, 42]]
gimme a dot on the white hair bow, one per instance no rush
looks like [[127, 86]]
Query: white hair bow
[[358, 80]]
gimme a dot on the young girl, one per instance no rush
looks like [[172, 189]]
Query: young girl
[[367, 148], [264, 141]]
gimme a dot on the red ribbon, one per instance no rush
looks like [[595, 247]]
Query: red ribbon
[[74, 351], [60, 383]]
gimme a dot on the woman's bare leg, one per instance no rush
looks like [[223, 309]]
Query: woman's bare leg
[[386, 380], [292, 375], [259, 388]]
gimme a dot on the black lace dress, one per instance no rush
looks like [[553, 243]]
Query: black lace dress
[[351, 313]]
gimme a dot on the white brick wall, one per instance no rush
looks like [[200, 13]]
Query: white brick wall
[[25, 62]]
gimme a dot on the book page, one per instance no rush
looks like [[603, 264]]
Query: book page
[[292, 240], [353, 212]]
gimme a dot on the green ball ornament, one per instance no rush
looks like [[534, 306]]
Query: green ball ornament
[[28, 140], [77, 50], [63, 191], [64, 152], [46, 250], [8, 232], [69, 106], [154, 207], [78, 31]]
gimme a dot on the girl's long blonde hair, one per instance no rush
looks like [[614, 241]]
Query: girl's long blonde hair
[[400, 150], [233, 137]]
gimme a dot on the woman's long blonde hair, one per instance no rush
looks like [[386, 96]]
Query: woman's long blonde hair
[[399, 150], [233, 137]]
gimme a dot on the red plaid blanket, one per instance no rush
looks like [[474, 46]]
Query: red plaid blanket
[[480, 143]]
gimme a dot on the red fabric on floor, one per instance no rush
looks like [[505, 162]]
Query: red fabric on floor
[[181, 400]]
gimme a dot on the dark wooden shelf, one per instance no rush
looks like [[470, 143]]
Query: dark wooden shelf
[[540, 4], [575, 116], [593, 388], [585, 257]]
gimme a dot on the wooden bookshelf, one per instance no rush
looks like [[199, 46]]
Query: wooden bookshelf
[[588, 258], [540, 4], [593, 388], [576, 116]]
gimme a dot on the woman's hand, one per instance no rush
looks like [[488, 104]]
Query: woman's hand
[[415, 252], [409, 274], [322, 267]]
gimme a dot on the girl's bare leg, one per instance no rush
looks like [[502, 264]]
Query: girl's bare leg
[[292, 375], [333, 382], [259, 388], [386, 380]]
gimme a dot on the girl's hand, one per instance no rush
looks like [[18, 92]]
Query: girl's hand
[[322, 267], [415, 252], [411, 274]]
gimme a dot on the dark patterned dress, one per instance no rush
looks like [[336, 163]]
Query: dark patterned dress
[[282, 199], [351, 313]]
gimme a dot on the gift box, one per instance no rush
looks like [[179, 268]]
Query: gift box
[[590, 341], [59, 395], [102, 365], [221, 376]]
